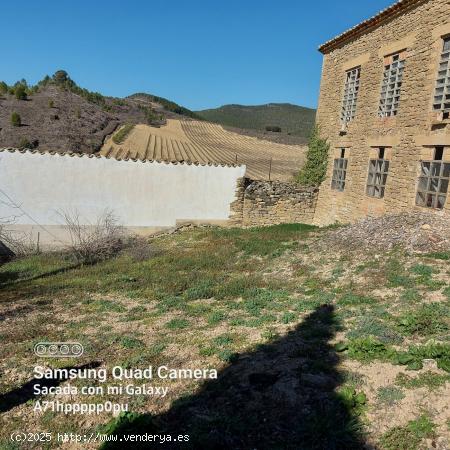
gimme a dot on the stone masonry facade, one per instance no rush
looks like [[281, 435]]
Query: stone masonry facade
[[261, 203], [405, 131]]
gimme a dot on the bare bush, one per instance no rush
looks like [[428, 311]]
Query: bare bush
[[14, 243], [139, 249], [97, 242]]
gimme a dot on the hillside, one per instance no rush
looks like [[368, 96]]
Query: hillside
[[201, 142], [292, 119], [57, 114]]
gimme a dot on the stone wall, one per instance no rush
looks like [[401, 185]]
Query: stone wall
[[408, 137], [260, 203]]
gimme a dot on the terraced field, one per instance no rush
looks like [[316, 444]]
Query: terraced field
[[207, 143]]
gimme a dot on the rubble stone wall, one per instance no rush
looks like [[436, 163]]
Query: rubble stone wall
[[408, 137], [261, 203]]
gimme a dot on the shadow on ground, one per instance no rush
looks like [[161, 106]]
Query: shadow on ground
[[25, 392], [282, 396]]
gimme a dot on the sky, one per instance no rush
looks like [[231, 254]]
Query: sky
[[199, 53]]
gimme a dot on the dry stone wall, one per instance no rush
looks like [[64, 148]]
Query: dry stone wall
[[261, 203], [408, 137]]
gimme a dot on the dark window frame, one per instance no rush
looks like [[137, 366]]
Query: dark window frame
[[377, 176], [434, 179], [350, 97], [339, 174], [391, 85], [441, 98]]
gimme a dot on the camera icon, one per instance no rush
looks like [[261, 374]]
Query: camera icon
[[58, 349]]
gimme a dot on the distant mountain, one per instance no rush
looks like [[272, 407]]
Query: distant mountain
[[292, 119]]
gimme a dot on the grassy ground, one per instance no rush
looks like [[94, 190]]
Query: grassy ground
[[313, 349]]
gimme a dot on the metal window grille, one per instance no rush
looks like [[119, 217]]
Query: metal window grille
[[391, 86], [350, 94], [441, 101], [433, 184], [339, 174], [377, 177]]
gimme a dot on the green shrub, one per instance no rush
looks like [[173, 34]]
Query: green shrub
[[16, 120], [25, 143], [3, 87], [123, 132], [20, 91], [314, 171]]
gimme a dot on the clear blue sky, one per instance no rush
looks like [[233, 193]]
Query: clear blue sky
[[198, 53]]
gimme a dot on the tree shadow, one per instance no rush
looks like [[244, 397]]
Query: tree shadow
[[25, 392], [281, 396], [9, 278]]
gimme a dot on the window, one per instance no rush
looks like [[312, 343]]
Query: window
[[378, 172], [339, 172], [441, 101], [350, 94], [433, 182], [391, 86]]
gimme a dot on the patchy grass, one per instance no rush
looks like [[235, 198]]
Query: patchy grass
[[389, 395], [430, 380], [410, 436], [256, 302]]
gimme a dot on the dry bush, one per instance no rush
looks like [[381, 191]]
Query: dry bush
[[14, 243], [97, 242], [140, 249]]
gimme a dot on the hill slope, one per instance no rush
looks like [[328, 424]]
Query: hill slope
[[58, 115], [292, 119]]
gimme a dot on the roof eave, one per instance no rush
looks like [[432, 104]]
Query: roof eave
[[399, 7]]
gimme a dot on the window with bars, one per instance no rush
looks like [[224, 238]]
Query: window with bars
[[339, 172], [441, 101], [392, 84], [433, 182], [351, 89], [377, 177]]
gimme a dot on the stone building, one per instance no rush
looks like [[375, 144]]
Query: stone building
[[384, 107]]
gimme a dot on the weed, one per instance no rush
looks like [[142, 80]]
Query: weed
[[203, 289], [428, 320], [130, 342], [410, 295], [288, 317], [223, 340], [215, 317], [430, 380], [416, 354], [177, 324], [104, 306], [371, 326], [227, 355], [351, 299], [367, 349], [390, 395], [410, 436], [446, 292]]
